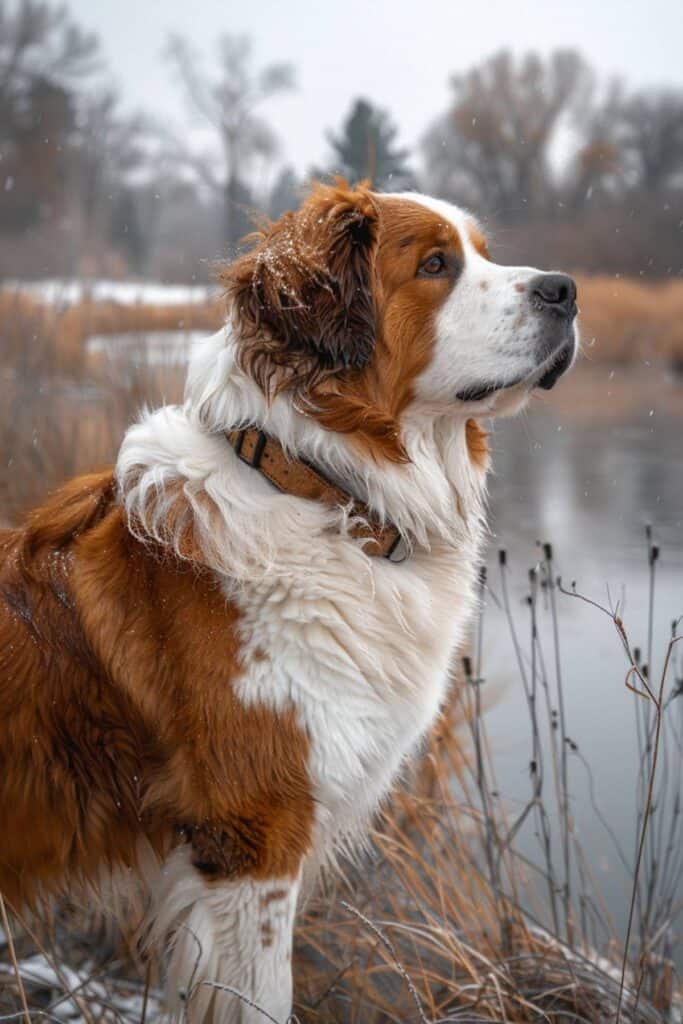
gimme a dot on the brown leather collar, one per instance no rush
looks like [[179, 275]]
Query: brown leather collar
[[294, 476]]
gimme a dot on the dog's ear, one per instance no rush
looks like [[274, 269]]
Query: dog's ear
[[302, 299]]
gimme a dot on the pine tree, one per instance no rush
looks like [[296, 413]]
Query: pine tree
[[286, 193], [366, 148]]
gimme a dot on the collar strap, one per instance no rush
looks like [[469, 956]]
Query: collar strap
[[294, 476]]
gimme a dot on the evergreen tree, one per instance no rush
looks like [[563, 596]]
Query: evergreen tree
[[126, 231], [366, 148], [286, 193], [35, 161], [44, 56]]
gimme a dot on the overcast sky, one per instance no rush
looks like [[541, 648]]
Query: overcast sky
[[399, 54]]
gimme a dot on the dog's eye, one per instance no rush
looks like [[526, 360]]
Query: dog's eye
[[433, 265]]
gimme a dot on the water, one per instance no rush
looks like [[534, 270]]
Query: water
[[587, 470]]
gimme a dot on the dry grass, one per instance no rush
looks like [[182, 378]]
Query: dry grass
[[26, 323], [63, 413], [623, 319]]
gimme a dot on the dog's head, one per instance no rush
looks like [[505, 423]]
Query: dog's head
[[369, 305]]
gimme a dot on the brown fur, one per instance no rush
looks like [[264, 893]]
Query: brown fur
[[479, 241], [477, 443], [302, 297], [117, 716]]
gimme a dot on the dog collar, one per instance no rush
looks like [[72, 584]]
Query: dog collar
[[266, 455]]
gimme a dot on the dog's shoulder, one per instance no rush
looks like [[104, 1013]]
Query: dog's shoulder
[[35, 556]]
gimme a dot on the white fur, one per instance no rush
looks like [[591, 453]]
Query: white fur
[[234, 934], [360, 647]]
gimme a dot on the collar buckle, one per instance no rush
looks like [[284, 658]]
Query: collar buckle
[[253, 460]]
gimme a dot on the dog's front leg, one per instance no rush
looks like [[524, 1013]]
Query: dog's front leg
[[229, 940]]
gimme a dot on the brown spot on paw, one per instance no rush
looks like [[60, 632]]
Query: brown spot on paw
[[273, 896], [266, 935]]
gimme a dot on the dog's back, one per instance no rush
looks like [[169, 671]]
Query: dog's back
[[68, 745]]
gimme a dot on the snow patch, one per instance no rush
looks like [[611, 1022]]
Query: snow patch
[[62, 292], [146, 348], [83, 995]]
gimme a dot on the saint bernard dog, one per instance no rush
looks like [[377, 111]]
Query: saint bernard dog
[[216, 657]]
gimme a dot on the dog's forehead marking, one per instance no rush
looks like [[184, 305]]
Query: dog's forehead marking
[[406, 221], [454, 218]]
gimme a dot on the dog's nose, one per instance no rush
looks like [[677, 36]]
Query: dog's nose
[[555, 292]]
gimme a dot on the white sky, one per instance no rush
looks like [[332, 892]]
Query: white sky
[[399, 54]]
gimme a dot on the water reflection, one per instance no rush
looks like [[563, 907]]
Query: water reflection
[[588, 476]]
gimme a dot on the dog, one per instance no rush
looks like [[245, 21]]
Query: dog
[[215, 659]]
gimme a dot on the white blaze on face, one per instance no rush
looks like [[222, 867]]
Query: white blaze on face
[[487, 331]]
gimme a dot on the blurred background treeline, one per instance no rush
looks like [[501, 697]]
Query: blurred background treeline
[[558, 159]]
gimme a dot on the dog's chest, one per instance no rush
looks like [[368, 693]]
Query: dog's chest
[[363, 653]]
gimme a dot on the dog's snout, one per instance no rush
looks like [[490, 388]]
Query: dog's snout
[[554, 292]]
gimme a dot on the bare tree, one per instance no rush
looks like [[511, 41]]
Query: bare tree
[[632, 144], [229, 103], [43, 56], [493, 146], [106, 147], [38, 41], [652, 137], [597, 169]]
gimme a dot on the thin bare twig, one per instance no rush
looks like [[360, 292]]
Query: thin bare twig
[[13, 957]]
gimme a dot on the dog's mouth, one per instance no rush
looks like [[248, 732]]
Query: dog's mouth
[[561, 363], [562, 360], [478, 394]]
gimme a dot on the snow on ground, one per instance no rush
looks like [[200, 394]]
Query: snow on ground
[[62, 292], [147, 348], [79, 997]]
